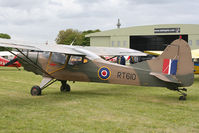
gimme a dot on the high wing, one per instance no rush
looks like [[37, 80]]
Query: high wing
[[39, 47], [73, 50], [112, 51], [15, 44]]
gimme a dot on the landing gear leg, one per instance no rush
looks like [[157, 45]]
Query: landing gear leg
[[183, 95], [64, 87], [36, 90]]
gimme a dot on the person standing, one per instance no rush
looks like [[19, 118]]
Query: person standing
[[123, 60]]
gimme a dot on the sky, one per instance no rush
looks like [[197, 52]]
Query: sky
[[41, 20]]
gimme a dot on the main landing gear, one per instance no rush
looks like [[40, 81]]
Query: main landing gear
[[64, 87], [37, 90]]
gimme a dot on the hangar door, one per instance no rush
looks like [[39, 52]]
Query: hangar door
[[153, 42]]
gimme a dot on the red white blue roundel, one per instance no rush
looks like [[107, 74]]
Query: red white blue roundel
[[104, 73]]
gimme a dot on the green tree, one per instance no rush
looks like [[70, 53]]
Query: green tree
[[70, 35], [5, 36]]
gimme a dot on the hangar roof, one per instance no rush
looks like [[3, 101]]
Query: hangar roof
[[148, 30]]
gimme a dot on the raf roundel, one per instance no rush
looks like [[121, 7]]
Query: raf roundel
[[104, 73]]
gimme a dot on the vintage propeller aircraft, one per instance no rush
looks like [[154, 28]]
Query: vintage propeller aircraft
[[7, 55], [5, 58], [172, 69], [5, 62]]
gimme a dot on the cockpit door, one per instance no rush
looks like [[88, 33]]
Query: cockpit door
[[56, 62]]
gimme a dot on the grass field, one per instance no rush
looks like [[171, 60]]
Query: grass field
[[93, 108]]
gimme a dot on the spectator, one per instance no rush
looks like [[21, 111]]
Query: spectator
[[123, 60]]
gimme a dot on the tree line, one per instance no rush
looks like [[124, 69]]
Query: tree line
[[78, 37]]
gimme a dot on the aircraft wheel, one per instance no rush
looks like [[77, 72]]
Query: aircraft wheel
[[182, 98], [35, 91], [62, 88], [65, 88]]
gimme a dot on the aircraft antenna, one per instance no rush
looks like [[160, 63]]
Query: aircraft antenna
[[73, 41]]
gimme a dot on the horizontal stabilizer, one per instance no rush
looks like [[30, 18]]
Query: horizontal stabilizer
[[165, 77]]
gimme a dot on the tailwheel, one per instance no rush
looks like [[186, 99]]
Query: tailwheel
[[35, 91], [64, 87], [182, 98], [184, 95]]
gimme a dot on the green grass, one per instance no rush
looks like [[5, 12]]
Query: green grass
[[93, 107]]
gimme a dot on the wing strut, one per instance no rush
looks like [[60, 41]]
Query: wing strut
[[33, 63], [47, 82]]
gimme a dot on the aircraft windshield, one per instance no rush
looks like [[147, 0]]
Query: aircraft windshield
[[61, 58]]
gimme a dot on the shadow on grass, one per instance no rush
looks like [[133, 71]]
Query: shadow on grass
[[104, 93], [193, 98], [88, 93]]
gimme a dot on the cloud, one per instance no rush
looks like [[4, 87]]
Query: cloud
[[23, 4], [42, 20]]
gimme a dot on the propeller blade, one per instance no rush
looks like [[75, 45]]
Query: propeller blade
[[11, 62]]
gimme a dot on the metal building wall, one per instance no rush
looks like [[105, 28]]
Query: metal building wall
[[121, 37], [103, 41]]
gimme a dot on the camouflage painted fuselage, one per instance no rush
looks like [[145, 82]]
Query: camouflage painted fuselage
[[86, 69]]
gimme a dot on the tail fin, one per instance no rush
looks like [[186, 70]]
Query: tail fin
[[174, 64]]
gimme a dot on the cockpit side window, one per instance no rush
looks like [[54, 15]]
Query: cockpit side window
[[75, 60], [62, 58], [57, 57]]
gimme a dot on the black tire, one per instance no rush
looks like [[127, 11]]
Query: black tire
[[182, 98], [65, 88], [68, 87], [35, 91]]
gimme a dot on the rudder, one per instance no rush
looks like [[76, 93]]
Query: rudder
[[176, 60]]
